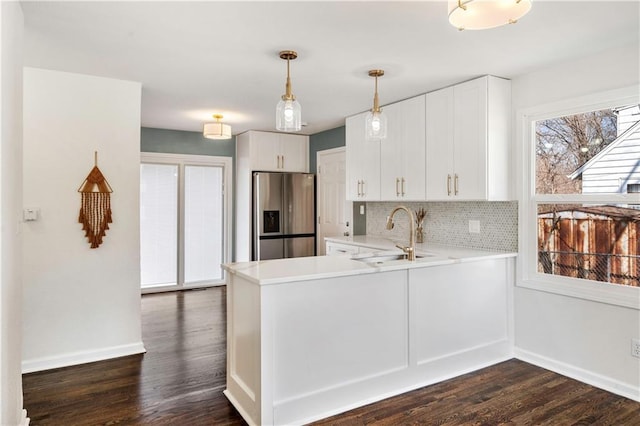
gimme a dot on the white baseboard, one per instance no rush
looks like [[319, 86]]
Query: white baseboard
[[585, 376], [82, 357], [24, 421]]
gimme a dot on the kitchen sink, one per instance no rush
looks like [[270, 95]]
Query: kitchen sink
[[379, 258]]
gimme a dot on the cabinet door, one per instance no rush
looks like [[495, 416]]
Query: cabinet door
[[265, 151], [402, 153], [337, 249], [470, 139], [363, 162], [294, 152], [439, 145], [391, 156], [354, 139], [413, 149]]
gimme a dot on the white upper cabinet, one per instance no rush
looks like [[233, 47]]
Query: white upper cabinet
[[276, 152], [402, 153], [467, 135], [439, 144], [363, 162]]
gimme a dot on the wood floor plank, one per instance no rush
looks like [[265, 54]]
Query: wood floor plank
[[179, 381]]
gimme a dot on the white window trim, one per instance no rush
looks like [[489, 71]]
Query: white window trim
[[528, 275], [182, 160]]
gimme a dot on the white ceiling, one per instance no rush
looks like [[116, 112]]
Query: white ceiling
[[198, 58]]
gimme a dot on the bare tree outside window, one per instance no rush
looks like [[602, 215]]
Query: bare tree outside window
[[563, 144]]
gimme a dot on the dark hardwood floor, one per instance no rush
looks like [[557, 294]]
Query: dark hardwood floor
[[179, 381]]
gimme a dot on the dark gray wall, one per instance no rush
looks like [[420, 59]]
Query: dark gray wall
[[328, 139]]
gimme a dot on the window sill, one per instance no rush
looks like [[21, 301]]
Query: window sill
[[612, 294]]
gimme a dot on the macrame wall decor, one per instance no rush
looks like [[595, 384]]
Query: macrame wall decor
[[95, 207]]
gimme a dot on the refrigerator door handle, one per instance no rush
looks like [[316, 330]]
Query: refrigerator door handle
[[256, 216]]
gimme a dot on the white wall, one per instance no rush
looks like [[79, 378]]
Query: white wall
[[11, 24], [586, 340], [80, 304]]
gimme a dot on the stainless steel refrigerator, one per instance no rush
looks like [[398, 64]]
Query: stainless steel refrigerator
[[283, 215]]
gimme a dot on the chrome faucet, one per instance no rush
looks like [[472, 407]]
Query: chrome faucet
[[411, 250]]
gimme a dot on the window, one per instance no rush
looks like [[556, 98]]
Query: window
[[580, 220], [184, 215]]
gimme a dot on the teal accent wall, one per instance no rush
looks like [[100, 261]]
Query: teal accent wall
[[182, 142], [328, 139]]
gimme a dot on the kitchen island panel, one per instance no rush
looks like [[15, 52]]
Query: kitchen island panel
[[459, 310], [332, 333], [334, 340]]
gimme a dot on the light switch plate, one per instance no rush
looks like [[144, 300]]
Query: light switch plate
[[474, 226], [30, 214]]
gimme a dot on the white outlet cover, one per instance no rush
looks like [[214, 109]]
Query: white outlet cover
[[635, 347], [474, 226]]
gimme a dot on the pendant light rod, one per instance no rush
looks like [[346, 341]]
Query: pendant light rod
[[288, 55], [376, 101]]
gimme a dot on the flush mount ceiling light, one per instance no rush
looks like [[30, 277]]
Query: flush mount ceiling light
[[484, 14], [217, 130], [376, 122], [288, 111]]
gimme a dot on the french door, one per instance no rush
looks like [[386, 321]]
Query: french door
[[184, 220]]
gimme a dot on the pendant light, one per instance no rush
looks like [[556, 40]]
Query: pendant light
[[288, 112], [217, 130], [376, 122], [484, 14]]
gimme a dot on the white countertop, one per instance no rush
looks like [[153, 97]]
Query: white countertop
[[460, 253], [318, 267]]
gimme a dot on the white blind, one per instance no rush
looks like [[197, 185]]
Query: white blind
[[203, 221], [158, 224]]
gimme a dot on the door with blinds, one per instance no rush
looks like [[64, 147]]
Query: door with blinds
[[184, 229]]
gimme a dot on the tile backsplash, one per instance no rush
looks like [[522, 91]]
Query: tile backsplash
[[448, 223]]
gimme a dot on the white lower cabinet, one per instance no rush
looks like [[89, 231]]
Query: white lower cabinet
[[337, 249], [303, 350]]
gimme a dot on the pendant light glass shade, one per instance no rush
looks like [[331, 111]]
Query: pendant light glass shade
[[288, 110], [376, 121], [485, 14], [288, 115], [376, 125], [217, 130]]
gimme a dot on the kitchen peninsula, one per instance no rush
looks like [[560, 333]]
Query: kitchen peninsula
[[314, 336]]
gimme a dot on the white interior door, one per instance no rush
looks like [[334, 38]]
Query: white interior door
[[333, 210]]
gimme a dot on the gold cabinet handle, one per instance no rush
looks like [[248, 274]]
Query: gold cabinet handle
[[448, 184], [455, 185], [402, 180], [397, 190]]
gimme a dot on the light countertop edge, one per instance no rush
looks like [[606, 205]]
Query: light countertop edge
[[280, 271]]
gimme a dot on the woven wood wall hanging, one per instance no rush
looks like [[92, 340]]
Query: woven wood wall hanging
[[95, 207]]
